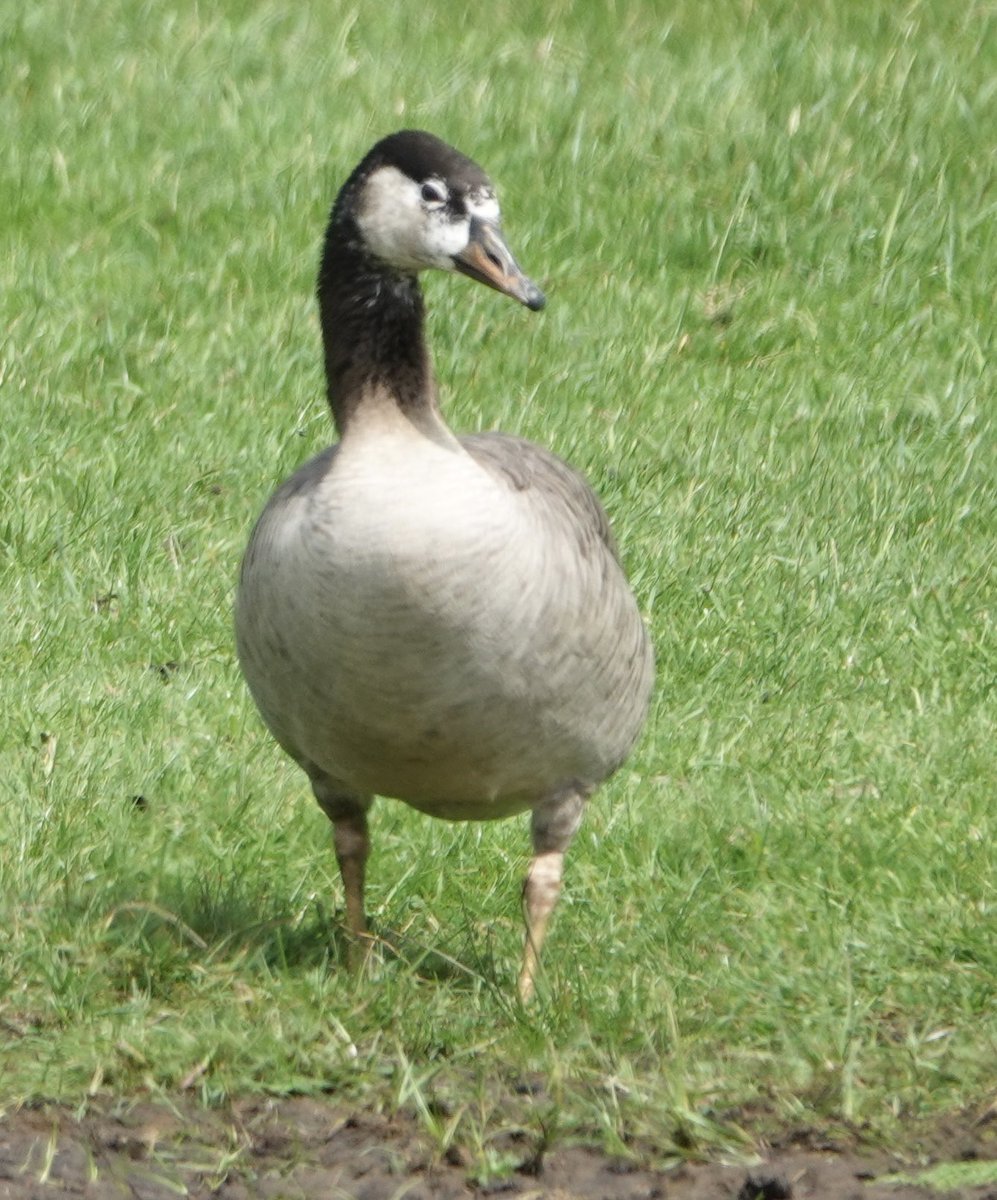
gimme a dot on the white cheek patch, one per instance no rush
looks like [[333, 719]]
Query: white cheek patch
[[444, 238], [392, 219], [397, 227]]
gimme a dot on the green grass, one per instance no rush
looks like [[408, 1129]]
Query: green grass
[[948, 1177], [768, 233]]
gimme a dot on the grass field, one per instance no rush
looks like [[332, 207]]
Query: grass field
[[768, 233]]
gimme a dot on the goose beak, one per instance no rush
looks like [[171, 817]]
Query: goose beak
[[488, 259]]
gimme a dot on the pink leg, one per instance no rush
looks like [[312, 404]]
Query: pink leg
[[349, 836], [348, 814], [555, 822]]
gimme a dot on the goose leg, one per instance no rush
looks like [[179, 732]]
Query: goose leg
[[348, 814], [555, 822], [349, 836]]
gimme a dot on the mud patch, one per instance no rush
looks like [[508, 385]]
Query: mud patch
[[307, 1149]]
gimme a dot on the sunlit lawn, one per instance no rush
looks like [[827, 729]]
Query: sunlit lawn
[[767, 233]]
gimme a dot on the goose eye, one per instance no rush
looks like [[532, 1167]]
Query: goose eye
[[433, 193]]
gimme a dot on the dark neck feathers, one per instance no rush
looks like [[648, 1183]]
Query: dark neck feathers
[[372, 332]]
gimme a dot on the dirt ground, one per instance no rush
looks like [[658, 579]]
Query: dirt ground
[[307, 1149]]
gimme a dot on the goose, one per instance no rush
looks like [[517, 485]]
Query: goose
[[437, 619]]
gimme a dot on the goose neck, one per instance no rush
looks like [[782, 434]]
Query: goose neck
[[372, 331]]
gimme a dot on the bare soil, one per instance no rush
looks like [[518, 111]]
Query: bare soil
[[314, 1149]]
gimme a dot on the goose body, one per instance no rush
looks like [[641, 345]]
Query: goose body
[[435, 619]]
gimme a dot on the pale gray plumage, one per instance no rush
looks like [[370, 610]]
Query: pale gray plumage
[[436, 619]]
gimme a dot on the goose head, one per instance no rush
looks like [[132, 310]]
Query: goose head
[[415, 203]]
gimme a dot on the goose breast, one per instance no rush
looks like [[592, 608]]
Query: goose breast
[[444, 623]]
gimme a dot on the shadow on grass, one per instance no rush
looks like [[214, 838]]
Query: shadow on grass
[[193, 925]]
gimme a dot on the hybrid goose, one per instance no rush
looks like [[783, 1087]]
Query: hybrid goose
[[438, 619]]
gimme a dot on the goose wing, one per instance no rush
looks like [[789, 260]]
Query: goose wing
[[526, 466]]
